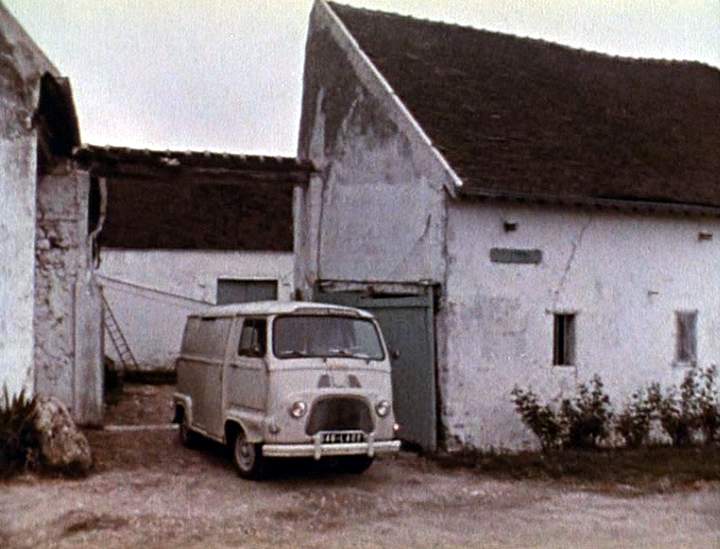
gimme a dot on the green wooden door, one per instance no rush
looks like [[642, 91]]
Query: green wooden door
[[408, 327]]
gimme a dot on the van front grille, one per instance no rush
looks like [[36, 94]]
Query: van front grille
[[339, 414]]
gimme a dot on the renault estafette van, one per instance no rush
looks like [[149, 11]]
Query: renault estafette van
[[278, 380]]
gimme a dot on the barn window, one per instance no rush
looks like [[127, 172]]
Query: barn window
[[244, 291], [563, 339], [686, 344]]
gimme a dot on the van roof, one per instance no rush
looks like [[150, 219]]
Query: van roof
[[276, 307]]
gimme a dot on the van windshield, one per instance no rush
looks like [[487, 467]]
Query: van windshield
[[296, 336]]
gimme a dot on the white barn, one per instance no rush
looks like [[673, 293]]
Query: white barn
[[514, 211]]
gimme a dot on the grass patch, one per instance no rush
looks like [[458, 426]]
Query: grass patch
[[646, 469]]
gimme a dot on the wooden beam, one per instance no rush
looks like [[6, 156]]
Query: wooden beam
[[199, 176]]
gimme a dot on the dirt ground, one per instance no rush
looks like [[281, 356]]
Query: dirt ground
[[149, 491]]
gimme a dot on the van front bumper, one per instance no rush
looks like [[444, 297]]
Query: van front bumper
[[318, 449]]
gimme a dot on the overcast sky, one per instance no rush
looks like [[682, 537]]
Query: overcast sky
[[226, 75]]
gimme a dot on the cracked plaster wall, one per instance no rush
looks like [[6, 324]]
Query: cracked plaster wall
[[624, 275], [381, 207]]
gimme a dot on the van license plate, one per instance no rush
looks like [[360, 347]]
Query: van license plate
[[343, 438]]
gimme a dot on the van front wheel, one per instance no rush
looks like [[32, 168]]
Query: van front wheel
[[247, 457], [357, 465]]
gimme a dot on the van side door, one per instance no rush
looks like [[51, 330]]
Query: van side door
[[246, 382], [191, 367], [214, 349]]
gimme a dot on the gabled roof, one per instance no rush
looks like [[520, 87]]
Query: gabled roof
[[520, 117], [195, 200]]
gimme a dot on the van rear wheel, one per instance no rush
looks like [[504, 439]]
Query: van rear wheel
[[247, 457]]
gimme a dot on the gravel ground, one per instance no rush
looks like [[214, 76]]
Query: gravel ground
[[149, 491]]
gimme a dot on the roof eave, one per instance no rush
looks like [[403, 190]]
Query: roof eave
[[584, 201], [146, 164]]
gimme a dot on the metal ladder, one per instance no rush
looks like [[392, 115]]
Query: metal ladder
[[127, 359]]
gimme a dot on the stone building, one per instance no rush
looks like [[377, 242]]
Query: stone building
[[50, 323], [514, 211]]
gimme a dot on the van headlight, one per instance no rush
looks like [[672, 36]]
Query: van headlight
[[298, 409], [382, 408]]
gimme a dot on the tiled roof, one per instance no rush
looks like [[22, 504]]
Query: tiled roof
[[195, 200], [205, 160], [527, 117]]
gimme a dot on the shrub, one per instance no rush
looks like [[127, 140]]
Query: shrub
[[673, 413], [541, 419], [635, 420], [708, 407], [685, 414], [18, 439], [587, 416], [694, 411], [580, 422]]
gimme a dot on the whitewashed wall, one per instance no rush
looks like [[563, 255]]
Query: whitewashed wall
[[151, 292], [378, 214], [624, 275], [20, 70], [17, 246]]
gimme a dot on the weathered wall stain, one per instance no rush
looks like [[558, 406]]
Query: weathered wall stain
[[370, 155]]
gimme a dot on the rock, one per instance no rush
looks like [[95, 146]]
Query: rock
[[63, 447]]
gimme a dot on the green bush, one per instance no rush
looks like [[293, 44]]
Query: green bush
[[692, 413], [587, 417], [541, 419], [686, 414], [634, 422], [580, 422], [708, 407], [18, 438]]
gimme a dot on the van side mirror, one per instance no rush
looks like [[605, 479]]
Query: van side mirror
[[394, 354]]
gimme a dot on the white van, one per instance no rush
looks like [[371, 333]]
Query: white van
[[286, 379]]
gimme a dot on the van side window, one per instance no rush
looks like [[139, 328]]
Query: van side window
[[252, 338], [212, 337], [206, 336], [191, 336]]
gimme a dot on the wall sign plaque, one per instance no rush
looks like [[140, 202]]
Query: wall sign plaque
[[513, 255]]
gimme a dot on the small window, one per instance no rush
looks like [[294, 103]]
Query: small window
[[564, 340], [252, 338], [245, 291], [206, 337], [686, 345]]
